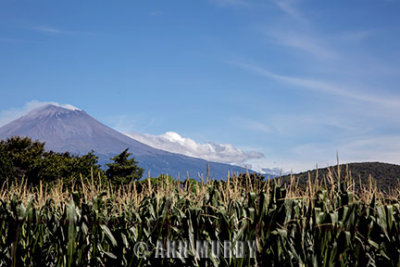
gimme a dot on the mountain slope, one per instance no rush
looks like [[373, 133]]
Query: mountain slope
[[73, 130], [386, 175]]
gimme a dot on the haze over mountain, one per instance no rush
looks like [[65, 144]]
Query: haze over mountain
[[73, 130]]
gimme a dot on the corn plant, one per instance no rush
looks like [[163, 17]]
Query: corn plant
[[326, 223]]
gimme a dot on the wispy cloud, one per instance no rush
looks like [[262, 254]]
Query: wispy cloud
[[156, 13], [290, 8], [354, 143], [376, 148], [231, 3], [304, 42], [385, 148], [324, 87], [303, 34], [173, 142], [357, 36], [298, 32], [255, 125], [282, 125], [50, 30], [339, 64]]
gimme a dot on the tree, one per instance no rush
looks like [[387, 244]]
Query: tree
[[24, 154], [123, 170], [65, 166], [28, 159], [86, 164], [6, 167]]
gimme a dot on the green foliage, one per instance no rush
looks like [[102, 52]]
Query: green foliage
[[54, 166], [22, 157], [24, 154], [326, 224], [333, 228], [123, 170], [6, 167]]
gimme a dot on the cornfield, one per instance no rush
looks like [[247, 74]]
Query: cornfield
[[328, 223]]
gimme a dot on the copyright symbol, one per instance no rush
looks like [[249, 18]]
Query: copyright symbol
[[140, 250]]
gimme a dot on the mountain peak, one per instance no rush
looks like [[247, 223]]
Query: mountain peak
[[50, 110], [66, 128], [57, 107]]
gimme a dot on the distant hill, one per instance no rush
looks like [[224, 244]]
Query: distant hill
[[386, 175], [73, 130]]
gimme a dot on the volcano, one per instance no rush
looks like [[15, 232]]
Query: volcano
[[69, 129]]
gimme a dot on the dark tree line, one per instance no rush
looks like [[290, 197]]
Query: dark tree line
[[21, 157]]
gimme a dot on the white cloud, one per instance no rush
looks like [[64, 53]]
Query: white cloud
[[173, 142], [68, 106], [326, 87], [9, 115]]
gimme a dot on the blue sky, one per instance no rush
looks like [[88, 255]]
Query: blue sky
[[296, 81]]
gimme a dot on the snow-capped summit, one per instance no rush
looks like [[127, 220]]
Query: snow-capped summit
[[67, 128]]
